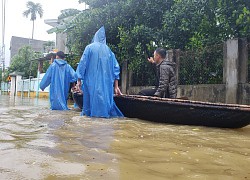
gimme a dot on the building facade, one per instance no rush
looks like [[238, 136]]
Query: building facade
[[61, 38], [17, 42]]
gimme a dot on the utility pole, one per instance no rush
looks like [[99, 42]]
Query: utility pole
[[3, 38]]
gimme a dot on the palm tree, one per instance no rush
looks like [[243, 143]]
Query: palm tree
[[33, 10]]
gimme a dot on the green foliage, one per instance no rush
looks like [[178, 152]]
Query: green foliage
[[48, 46], [4, 76], [249, 60], [25, 62], [33, 9], [72, 60], [202, 66], [134, 28], [1, 78], [46, 65]]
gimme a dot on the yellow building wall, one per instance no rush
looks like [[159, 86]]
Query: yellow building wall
[[44, 95], [5, 93]]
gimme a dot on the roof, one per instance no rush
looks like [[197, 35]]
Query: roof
[[15, 73], [51, 22]]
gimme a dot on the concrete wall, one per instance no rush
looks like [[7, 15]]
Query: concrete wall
[[202, 92], [136, 89], [235, 68], [244, 93], [205, 92], [61, 39]]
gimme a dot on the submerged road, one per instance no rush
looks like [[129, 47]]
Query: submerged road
[[37, 143]]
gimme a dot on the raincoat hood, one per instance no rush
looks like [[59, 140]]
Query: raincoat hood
[[60, 62], [100, 36], [58, 76], [98, 69]]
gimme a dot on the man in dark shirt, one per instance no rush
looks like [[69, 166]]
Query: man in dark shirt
[[166, 86]]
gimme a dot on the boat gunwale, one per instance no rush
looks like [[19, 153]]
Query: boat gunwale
[[189, 103]]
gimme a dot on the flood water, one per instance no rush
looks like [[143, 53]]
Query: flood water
[[37, 143]]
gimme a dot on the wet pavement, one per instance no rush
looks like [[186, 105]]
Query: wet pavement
[[37, 143]]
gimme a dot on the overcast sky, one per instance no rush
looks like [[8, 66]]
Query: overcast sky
[[18, 25]]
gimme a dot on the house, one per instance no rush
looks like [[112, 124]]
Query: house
[[17, 42], [61, 38]]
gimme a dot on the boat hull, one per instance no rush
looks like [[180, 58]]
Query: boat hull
[[177, 111]]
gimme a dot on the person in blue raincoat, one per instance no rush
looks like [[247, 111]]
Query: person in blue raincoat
[[59, 76], [99, 71]]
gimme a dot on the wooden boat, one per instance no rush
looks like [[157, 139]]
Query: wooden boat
[[185, 112]]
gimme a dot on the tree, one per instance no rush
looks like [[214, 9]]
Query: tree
[[25, 61], [1, 71], [33, 10], [136, 27], [48, 46], [3, 78]]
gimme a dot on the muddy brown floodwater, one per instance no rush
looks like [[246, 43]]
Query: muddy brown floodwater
[[37, 143]]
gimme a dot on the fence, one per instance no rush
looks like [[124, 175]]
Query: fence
[[5, 87], [201, 66], [28, 86], [144, 75]]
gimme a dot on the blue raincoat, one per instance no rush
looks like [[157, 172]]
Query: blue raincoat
[[59, 76], [98, 68]]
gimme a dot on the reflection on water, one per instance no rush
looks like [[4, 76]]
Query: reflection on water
[[37, 143]]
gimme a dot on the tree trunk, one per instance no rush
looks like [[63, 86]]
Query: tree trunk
[[33, 29]]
